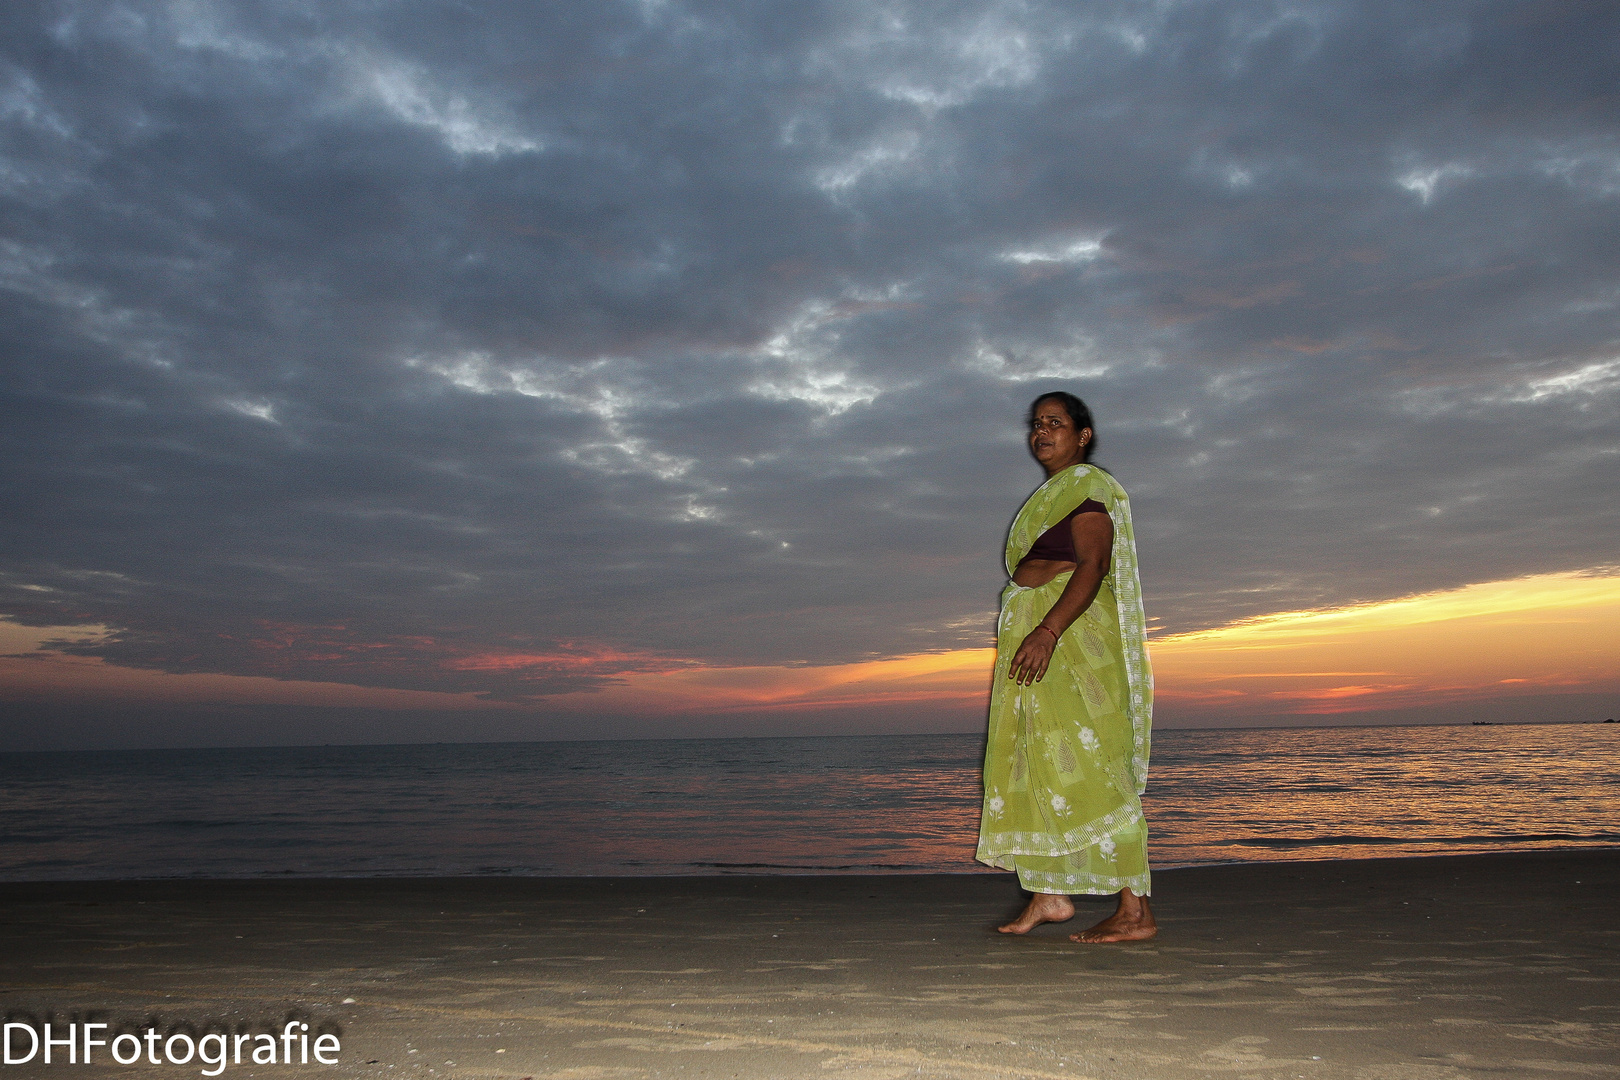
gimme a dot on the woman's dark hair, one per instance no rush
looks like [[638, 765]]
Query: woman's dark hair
[[1078, 413]]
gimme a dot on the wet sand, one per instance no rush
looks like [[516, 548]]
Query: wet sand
[[1401, 969]]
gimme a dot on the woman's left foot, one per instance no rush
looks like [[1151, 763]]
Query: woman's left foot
[[1042, 908]]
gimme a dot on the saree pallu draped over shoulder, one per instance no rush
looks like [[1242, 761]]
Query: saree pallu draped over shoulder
[[1067, 757]]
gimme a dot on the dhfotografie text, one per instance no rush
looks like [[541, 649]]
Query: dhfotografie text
[[217, 1049]]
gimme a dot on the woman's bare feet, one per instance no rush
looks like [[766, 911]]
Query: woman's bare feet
[[1042, 908], [1131, 921]]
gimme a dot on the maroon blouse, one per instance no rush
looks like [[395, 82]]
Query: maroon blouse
[[1057, 543]]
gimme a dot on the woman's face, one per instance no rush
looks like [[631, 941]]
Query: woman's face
[[1053, 438]]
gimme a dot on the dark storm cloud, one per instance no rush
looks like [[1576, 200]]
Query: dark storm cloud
[[511, 347]]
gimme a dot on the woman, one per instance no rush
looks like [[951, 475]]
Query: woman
[[1072, 700]]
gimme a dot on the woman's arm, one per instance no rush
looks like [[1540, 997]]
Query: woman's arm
[[1093, 547]]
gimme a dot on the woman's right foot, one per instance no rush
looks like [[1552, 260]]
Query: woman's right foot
[[1042, 908], [1132, 922]]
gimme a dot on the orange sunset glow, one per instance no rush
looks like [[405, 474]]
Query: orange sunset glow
[[1551, 633], [961, 676], [1547, 633]]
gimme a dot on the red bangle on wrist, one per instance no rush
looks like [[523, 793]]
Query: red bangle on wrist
[[1048, 629]]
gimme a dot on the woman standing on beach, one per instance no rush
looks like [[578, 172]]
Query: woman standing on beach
[[1072, 700]]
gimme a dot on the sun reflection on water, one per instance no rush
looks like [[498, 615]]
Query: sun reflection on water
[[879, 804]]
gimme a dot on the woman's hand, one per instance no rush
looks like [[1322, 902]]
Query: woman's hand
[[1093, 546], [1029, 663]]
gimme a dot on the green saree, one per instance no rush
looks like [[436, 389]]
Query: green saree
[[1067, 757]]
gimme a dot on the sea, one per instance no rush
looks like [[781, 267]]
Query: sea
[[832, 805]]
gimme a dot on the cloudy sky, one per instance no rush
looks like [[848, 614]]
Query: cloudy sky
[[500, 370]]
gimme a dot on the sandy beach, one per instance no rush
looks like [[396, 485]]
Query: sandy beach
[[1405, 969]]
